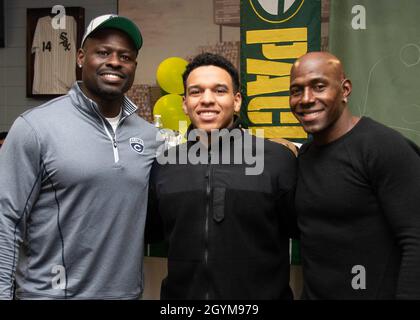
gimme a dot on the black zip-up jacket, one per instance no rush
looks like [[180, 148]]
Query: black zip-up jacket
[[228, 232]]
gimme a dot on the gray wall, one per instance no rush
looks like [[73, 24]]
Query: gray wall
[[13, 99]]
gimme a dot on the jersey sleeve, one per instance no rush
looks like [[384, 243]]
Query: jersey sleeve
[[19, 186], [73, 32], [36, 42]]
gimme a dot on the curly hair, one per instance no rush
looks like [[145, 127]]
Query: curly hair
[[211, 59]]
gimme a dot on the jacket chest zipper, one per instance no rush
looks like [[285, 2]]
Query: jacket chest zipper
[[113, 138], [115, 149], [206, 226]]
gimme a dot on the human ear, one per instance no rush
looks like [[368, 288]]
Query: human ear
[[184, 106], [80, 57], [237, 102], [346, 87]]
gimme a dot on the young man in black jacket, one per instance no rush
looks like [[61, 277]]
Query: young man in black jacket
[[357, 195], [223, 199]]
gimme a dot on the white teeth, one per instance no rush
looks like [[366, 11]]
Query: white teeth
[[208, 113], [310, 116], [309, 113], [111, 76]]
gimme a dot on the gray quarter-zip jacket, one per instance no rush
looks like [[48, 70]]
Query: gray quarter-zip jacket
[[73, 198]]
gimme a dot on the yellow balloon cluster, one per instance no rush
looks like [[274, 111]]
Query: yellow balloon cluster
[[169, 106], [169, 75]]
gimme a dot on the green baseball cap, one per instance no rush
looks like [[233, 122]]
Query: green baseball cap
[[114, 21]]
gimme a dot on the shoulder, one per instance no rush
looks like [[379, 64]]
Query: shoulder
[[368, 127], [288, 144], [23, 135], [277, 154], [49, 106], [47, 111], [146, 127], [377, 136], [304, 148], [277, 146], [280, 162], [382, 147], [145, 130], [148, 130], [143, 123]]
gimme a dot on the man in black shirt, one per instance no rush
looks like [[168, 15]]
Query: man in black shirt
[[357, 195], [227, 227]]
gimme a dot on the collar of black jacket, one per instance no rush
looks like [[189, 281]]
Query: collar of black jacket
[[237, 124]]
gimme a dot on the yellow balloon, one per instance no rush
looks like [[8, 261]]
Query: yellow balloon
[[170, 108], [169, 74]]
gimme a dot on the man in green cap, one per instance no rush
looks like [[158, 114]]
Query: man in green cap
[[71, 226]]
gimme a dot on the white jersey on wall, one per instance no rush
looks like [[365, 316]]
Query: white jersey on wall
[[55, 56]]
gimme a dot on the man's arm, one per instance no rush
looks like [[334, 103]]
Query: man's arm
[[396, 178], [19, 186], [154, 225], [287, 183]]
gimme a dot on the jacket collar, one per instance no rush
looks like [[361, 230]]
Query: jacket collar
[[88, 106], [235, 125]]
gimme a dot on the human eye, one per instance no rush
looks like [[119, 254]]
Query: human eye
[[319, 87], [221, 90], [194, 91], [295, 91], [125, 57], [102, 53]]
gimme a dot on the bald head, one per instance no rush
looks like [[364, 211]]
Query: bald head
[[318, 95], [319, 60]]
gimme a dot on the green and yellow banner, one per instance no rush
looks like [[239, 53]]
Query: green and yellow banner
[[273, 34]]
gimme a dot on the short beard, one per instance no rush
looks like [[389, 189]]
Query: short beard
[[105, 94]]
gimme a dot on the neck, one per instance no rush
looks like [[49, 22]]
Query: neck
[[339, 128], [109, 107], [110, 110]]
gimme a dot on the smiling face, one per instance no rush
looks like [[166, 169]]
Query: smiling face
[[108, 59], [210, 100], [318, 93]]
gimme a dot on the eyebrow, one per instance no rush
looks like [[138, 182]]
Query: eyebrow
[[215, 86], [311, 81], [111, 47]]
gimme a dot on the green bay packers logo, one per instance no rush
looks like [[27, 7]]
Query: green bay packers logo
[[137, 145], [276, 11]]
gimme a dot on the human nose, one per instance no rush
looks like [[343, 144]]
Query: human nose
[[307, 97], [207, 97], [113, 60]]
